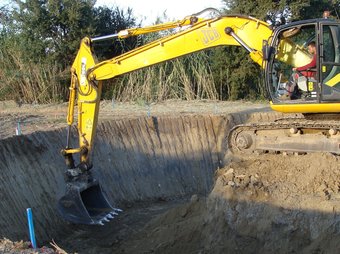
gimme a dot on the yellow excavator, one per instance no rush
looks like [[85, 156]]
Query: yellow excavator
[[276, 50]]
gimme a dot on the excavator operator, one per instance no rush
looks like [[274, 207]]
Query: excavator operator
[[306, 71]]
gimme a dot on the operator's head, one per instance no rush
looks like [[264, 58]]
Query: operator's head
[[312, 47]]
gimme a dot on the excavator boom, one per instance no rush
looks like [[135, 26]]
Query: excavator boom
[[276, 51], [84, 201], [202, 35]]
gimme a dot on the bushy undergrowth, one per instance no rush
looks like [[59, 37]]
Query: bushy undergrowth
[[30, 82], [187, 78]]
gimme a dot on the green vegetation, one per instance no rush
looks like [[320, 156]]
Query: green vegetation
[[39, 40]]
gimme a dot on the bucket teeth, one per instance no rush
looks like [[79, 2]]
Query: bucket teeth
[[105, 219], [116, 211], [85, 203], [110, 216]]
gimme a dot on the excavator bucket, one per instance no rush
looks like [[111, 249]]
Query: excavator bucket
[[85, 203]]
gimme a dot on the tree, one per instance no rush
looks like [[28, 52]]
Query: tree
[[315, 9], [40, 38], [51, 30], [110, 21]]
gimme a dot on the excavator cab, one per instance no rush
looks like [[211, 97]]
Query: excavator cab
[[289, 49]]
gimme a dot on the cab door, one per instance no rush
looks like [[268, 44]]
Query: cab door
[[330, 62]]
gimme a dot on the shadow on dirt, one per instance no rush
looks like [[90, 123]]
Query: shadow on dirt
[[161, 171]]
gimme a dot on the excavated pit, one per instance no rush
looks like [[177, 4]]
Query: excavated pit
[[179, 189]]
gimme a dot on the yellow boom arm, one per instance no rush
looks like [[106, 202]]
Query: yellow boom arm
[[87, 75]]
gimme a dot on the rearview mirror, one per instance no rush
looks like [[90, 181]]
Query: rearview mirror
[[266, 51]]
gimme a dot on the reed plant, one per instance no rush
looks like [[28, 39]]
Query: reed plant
[[187, 78], [29, 82]]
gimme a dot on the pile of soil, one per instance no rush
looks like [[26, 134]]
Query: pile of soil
[[259, 204]]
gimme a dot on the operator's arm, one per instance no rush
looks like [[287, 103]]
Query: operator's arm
[[309, 66]]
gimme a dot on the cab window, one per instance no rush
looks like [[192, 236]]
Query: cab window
[[330, 63], [293, 50]]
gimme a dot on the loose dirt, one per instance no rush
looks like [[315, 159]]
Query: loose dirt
[[21, 247], [260, 204], [265, 203]]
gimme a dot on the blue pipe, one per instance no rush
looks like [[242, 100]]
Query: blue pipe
[[18, 130], [31, 227]]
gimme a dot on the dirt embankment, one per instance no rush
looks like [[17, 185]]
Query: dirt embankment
[[262, 204], [151, 159]]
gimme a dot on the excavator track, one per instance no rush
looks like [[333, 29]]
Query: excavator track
[[297, 135]]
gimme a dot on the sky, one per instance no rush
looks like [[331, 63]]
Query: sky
[[149, 10]]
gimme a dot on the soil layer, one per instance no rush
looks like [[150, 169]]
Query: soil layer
[[168, 167]]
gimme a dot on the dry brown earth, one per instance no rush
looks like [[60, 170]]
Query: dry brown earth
[[255, 204]]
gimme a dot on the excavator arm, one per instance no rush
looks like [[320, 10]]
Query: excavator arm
[[86, 86], [87, 75], [227, 30]]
